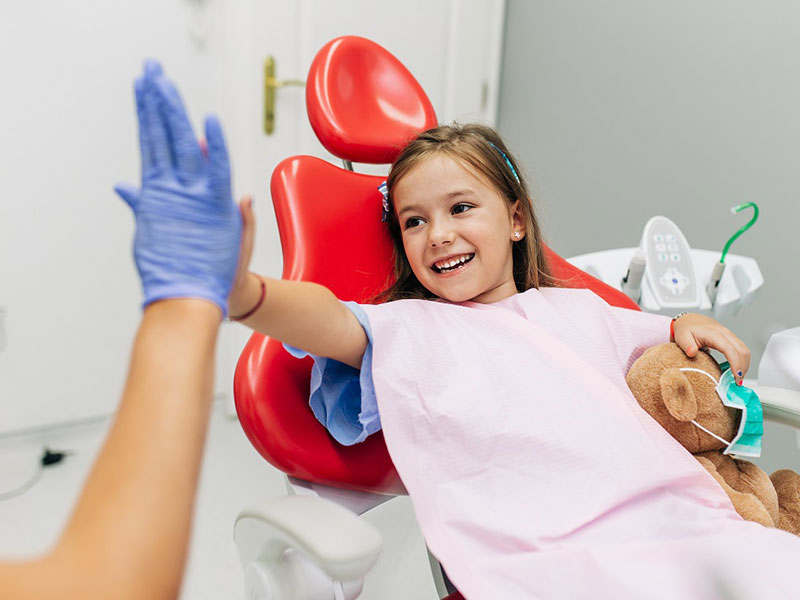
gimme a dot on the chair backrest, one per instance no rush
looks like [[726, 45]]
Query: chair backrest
[[363, 104], [331, 233], [329, 221]]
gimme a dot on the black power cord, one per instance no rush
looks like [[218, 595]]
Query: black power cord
[[49, 458]]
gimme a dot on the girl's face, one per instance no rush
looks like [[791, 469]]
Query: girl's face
[[457, 231]]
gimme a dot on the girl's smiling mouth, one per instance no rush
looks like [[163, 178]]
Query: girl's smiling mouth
[[453, 263]]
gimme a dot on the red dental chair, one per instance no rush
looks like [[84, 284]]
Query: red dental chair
[[364, 106]]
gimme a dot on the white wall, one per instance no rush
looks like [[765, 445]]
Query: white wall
[[68, 127], [624, 109]]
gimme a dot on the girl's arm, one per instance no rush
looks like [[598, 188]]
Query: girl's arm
[[302, 314], [129, 533]]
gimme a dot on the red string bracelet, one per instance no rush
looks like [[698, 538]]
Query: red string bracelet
[[672, 326], [258, 304]]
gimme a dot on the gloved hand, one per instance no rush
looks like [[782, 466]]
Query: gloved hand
[[188, 229]]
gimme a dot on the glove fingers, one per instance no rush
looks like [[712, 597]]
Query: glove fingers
[[153, 119], [153, 68], [220, 171], [129, 193], [185, 151], [144, 140]]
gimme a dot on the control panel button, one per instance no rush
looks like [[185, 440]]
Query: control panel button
[[674, 280]]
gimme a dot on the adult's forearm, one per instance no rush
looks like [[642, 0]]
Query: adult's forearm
[[131, 527]]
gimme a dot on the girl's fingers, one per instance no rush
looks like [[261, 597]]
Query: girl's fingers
[[248, 229], [735, 351], [246, 248], [738, 356], [686, 342]]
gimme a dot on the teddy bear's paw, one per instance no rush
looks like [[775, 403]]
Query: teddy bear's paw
[[746, 503], [787, 484]]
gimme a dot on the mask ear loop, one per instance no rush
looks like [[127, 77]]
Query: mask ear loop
[[711, 433], [711, 377]]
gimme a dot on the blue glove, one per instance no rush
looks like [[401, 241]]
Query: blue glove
[[188, 229]]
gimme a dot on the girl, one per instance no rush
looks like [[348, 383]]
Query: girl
[[532, 469]]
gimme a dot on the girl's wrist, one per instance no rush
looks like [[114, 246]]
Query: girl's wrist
[[672, 325], [243, 299]]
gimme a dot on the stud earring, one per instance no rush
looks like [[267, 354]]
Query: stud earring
[[516, 234]]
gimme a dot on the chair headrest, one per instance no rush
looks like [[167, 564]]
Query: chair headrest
[[363, 104]]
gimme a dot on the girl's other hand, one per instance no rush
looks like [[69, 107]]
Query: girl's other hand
[[694, 332]]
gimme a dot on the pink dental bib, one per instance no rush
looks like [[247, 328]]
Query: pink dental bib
[[532, 470]]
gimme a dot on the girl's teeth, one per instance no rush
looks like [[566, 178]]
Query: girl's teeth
[[453, 264]]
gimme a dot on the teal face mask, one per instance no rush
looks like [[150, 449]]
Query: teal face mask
[[747, 441]]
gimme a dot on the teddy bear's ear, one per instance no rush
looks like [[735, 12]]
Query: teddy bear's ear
[[678, 395]]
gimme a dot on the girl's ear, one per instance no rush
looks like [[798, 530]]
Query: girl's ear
[[517, 220]]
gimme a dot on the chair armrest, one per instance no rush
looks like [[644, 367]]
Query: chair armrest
[[781, 405], [342, 545]]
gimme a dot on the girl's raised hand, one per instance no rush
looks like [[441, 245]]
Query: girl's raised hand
[[694, 332], [243, 285]]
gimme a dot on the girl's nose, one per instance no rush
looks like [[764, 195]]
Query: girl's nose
[[440, 234]]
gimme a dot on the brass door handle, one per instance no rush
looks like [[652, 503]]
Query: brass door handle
[[271, 84]]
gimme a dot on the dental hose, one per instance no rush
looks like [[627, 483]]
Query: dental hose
[[719, 268]]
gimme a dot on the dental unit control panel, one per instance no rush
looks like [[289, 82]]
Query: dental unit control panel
[[665, 275], [671, 275]]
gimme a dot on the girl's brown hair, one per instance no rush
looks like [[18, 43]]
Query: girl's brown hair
[[481, 150]]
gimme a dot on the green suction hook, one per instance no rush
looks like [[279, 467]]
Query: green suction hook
[[735, 210]]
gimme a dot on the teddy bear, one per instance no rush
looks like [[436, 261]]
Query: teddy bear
[[675, 398]]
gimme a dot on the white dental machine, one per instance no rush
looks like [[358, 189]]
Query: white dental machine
[[665, 275]]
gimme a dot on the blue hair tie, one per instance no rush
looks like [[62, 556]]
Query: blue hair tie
[[508, 162]]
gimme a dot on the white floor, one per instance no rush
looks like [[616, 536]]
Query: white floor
[[234, 476]]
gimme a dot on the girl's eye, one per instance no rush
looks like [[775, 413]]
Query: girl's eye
[[413, 222], [460, 208]]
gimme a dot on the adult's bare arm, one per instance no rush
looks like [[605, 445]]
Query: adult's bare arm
[[129, 533]]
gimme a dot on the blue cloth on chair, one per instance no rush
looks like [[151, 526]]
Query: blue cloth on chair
[[343, 398]]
